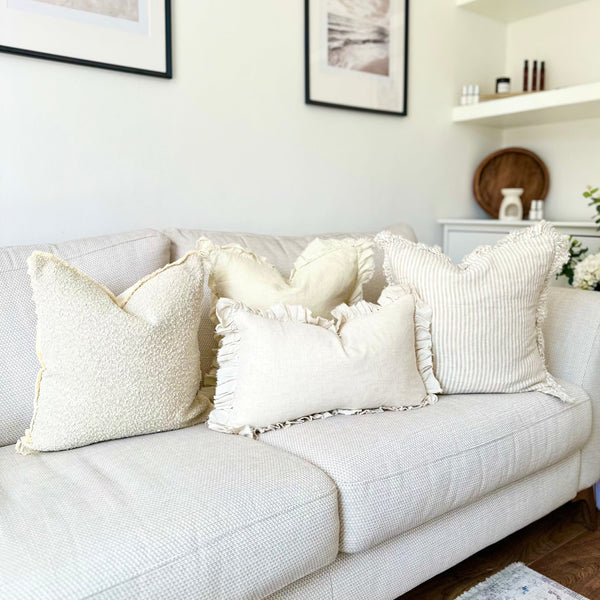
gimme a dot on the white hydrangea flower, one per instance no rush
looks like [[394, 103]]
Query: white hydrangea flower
[[587, 273]]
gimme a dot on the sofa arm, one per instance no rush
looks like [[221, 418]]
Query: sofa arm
[[572, 336]]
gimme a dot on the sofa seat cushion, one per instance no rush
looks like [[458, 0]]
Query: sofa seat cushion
[[396, 471], [183, 514]]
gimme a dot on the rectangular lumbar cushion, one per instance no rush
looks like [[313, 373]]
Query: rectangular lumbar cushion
[[282, 364], [487, 311], [113, 367]]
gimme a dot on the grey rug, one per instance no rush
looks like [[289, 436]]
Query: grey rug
[[518, 581]]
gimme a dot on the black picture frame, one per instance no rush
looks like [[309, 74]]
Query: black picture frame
[[307, 75], [166, 74]]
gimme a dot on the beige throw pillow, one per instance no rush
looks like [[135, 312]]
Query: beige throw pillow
[[327, 273], [487, 311], [283, 365], [114, 367]]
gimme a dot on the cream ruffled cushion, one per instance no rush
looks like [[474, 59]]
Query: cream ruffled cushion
[[327, 273], [114, 367], [488, 310], [281, 364]]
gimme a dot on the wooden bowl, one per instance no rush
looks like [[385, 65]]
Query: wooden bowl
[[510, 168]]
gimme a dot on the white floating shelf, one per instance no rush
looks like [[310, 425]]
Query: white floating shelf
[[508, 11], [563, 104]]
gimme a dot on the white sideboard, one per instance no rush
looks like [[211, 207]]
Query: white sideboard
[[461, 236]]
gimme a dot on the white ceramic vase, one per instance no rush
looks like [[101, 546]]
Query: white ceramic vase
[[511, 208]]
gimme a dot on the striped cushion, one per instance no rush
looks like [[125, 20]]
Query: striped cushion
[[487, 311]]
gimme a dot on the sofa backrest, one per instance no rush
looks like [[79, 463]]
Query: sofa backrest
[[117, 261], [280, 251]]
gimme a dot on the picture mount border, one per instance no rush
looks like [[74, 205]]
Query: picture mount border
[[166, 74], [307, 98]]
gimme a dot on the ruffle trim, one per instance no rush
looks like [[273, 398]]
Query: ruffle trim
[[552, 388], [254, 432], [385, 239]]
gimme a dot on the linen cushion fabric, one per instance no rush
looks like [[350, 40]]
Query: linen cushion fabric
[[181, 514], [421, 464], [327, 273], [281, 252], [283, 364], [116, 261], [488, 311], [114, 366], [392, 568]]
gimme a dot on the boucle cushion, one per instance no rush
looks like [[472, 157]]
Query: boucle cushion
[[282, 364], [116, 261], [114, 367], [487, 311]]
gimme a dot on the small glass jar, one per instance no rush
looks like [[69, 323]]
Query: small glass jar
[[503, 85]]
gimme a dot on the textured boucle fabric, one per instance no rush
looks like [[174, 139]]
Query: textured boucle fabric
[[281, 252], [488, 310], [169, 516], [395, 471], [114, 367], [116, 261], [391, 569]]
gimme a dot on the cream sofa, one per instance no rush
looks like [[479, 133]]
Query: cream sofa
[[348, 507]]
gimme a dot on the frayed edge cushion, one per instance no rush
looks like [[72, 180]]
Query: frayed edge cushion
[[386, 239]]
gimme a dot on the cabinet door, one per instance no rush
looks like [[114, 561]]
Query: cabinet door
[[589, 242], [461, 242]]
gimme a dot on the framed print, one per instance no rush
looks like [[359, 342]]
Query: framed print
[[123, 35], [357, 54]]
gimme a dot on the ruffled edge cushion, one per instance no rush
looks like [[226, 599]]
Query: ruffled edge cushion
[[316, 249], [386, 239], [224, 400]]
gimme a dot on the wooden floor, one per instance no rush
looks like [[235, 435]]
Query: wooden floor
[[558, 546]]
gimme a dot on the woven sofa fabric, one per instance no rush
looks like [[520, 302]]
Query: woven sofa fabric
[[572, 332], [395, 567], [183, 514], [281, 252], [116, 261], [420, 464]]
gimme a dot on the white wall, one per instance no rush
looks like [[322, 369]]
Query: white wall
[[567, 39], [229, 142]]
